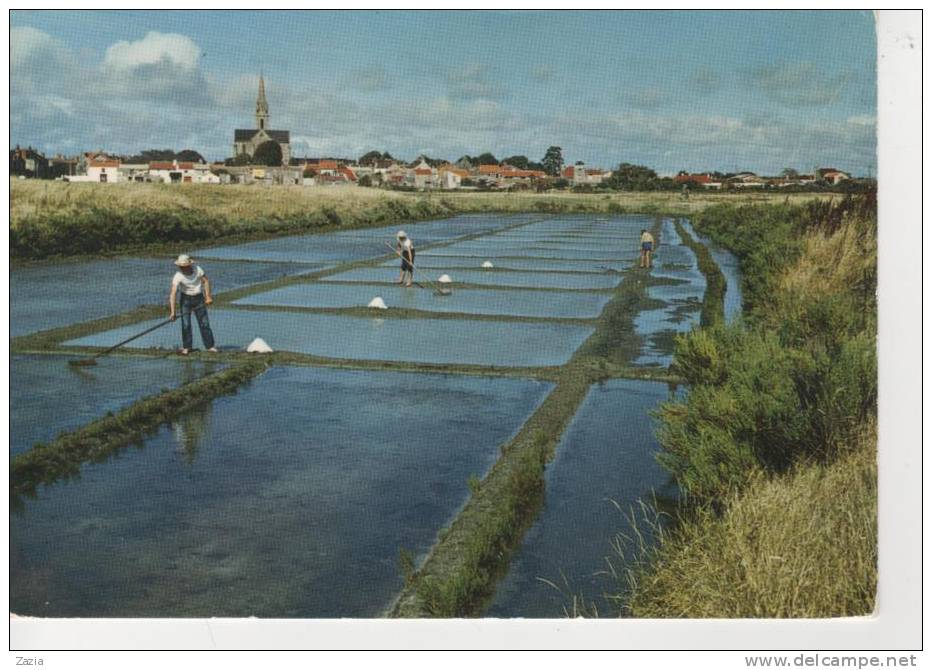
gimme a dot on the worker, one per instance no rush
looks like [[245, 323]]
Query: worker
[[647, 246], [194, 287], [406, 251]]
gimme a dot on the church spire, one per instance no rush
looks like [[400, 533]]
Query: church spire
[[262, 107]]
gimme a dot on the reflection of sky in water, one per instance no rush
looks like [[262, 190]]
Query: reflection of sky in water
[[354, 245], [51, 295], [49, 397], [731, 269], [491, 277], [552, 304], [606, 454], [448, 341], [291, 498], [537, 264], [676, 261]]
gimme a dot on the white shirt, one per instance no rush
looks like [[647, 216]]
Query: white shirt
[[190, 284], [407, 245]]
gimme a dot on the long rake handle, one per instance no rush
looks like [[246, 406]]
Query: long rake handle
[[134, 337], [398, 253]]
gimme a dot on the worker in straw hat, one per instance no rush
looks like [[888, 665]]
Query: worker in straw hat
[[406, 251], [192, 285]]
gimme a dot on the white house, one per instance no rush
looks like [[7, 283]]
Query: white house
[[99, 171]]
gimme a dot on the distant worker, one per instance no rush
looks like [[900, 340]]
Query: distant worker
[[647, 246], [406, 251], [685, 192], [195, 296]]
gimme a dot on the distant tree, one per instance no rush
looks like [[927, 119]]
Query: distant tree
[[268, 153], [189, 156], [553, 161], [365, 180], [560, 182], [486, 159], [580, 163], [630, 177], [369, 158], [520, 162], [466, 162], [790, 173]]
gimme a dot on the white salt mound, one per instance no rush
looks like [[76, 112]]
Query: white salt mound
[[445, 279], [259, 346], [377, 303], [488, 264]]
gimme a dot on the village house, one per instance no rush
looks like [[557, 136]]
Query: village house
[[580, 175], [103, 170], [423, 175], [704, 180], [28, 163], [832, 176], [451, 177], [175, 172]]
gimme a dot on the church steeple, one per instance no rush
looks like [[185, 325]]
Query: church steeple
[[262, 107]]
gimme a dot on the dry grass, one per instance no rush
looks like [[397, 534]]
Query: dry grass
[[35, 198], [798, 545]]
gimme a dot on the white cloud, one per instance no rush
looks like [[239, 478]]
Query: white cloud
[[154, 48]]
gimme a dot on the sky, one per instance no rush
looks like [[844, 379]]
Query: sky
[[696, 90]]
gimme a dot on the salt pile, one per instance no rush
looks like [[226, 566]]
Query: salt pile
[[377, 303], [445, 279], [488, 264], [259, 346]]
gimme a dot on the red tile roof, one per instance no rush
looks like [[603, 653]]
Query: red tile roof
[[489, 169], [161, 165], [103, 164], [698, 178], [423, 171]]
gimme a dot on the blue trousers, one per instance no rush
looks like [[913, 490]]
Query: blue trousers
[[195, 303]]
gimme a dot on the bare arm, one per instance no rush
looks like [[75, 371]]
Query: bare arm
[[171, 301], [207, 299]]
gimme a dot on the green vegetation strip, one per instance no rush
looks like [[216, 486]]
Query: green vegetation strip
[[459, 575], [63, 457], [774, 446], [713, 303]]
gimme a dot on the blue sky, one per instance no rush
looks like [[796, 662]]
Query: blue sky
[[673, 90]]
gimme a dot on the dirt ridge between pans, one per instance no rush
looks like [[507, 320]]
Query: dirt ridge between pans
[[459, 574]]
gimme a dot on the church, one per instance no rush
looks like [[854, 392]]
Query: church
[[246, 141]]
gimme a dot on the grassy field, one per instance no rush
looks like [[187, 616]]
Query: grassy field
[[49, 219], [774, 447]]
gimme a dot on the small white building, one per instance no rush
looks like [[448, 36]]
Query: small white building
[[100, 171]]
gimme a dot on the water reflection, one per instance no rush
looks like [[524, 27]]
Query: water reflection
[[190, 428]]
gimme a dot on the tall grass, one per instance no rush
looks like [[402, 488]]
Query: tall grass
[[803, 544], [64, 219], [773, 447]]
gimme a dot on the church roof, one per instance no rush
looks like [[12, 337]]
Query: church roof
[[246, 134]]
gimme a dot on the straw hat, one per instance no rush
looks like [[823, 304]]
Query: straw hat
[[401, 235], [183, 261]]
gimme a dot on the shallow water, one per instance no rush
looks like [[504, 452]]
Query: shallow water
[[606, 454], [447, 341], [354, 245], [291, 498], [682, 300], [731, 269], [54, 295], [489, 277], [534, 264], [552, 304], [80, 395]]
